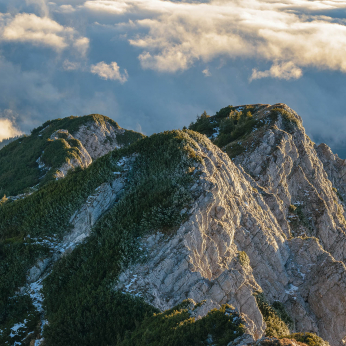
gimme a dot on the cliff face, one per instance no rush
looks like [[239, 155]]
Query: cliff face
[[244, 206], [99, 138], [269, 220]]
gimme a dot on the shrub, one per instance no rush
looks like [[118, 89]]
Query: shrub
[[235, 126], [289, 120], [3, 200], [19, 310], [234, 150], [275, 316], [243, 258], [228, 126], [310, 339], [177, 327], [203, 124], [292, 208]]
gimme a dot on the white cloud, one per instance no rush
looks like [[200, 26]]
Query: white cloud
[[206, 72], [70, 65], [8, 129], [181, 33], [81, 44], [66, 9], [285, 70], [29, 28], [111, 71], [117, 7]]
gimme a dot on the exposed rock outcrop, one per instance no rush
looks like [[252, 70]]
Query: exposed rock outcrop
[[335, 169], [80, 159], [249, 209], [98, 138], [93, 139], [86, 217]]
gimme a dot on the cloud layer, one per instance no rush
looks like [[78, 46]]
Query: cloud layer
[[44, 31], [285, 32]]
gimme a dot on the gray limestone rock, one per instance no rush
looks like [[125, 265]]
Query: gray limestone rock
[[95, 140], [244, 206], [86, 217], [98, 138]]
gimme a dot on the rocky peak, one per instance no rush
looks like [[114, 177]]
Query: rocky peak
[[57, 147], [252, 218]]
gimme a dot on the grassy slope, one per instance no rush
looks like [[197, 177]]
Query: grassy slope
[[18, 167]]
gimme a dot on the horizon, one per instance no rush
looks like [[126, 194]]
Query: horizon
[[339, 150]]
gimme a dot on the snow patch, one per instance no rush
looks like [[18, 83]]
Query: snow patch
[[15, 329], [291, 289]]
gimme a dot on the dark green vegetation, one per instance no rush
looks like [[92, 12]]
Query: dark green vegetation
[[301, 219], [80, 302], [308, 338], [44, 213], [232, 124], [231, 127], [176, 327], [290, 121], [278, 321], [157, 190], [19, 309], [8, 141], [18, 167]]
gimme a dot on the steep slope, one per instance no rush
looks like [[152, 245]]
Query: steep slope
[[201, 261], [255, 224], [283, 165], [142, 187], [335, 169], [56, 147]]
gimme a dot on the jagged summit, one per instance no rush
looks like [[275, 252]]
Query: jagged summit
[[182, 238], [56, 147], [238, 129]]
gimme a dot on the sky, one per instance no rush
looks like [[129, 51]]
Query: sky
[[154, 65]]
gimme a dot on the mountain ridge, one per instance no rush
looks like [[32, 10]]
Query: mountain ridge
[[173, 217], [56, 147]]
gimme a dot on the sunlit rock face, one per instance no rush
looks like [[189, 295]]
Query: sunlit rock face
[[94, 140], [248, 206], [98, 138]]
